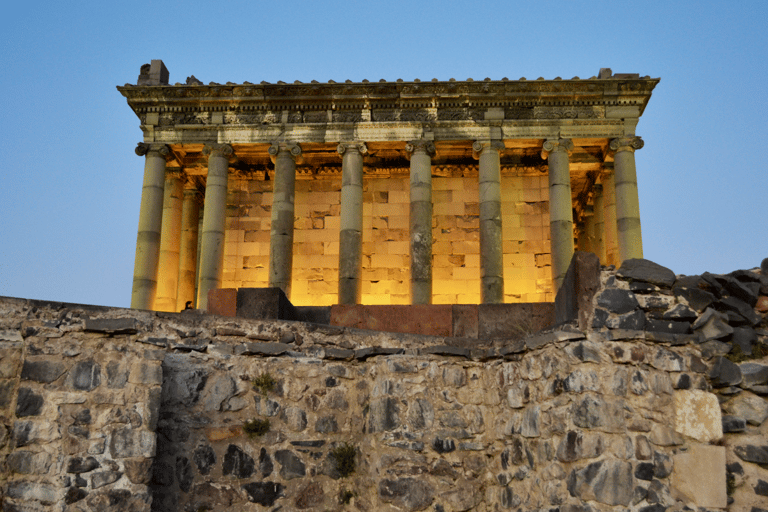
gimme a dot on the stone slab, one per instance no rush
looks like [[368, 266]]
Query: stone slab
[[464, 321], [573, 302], [699, 475], [264, 304], [426, 319], [222, 302], [697, 415], [513, 321]]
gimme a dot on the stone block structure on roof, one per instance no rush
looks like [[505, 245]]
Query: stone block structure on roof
[[442, 192]]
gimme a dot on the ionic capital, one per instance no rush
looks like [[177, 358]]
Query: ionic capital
[[215, 149], [552, 145], [626, 144], [482, 145], [420, 145], [142, 148], [343, 147], [289, 148]]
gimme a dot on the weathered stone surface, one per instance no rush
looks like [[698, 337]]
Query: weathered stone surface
[[646, 271], [183, 387], [44, 371], [463, 495], [218, 389], [383, 415], [291, 465], [724, 373], [696, 298], [697, 415], [84, 376], [539, 340], [609, 482], [593, 411], [407, 493], [204, 458], [699, 475], [102, 478], [266, 406], [138, 471], [237, 463], [264, 493], [634, 321], [617, 300], [28, 463], [184, 474], [577, 445], [742, 309], [752, 453], [265, 463], [32, 491], [443, 445], [733, 424], [127, 442], [751, 408], [753, 374], [326, 425], [312, 495], [80, 465], [28, 403], [264, 349], [712, 325], [295, 418], [113, 325], [668, 326]]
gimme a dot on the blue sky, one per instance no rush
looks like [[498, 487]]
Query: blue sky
[[70, 183]]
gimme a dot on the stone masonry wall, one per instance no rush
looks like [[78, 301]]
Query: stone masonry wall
[[386, 261], [651, 408]]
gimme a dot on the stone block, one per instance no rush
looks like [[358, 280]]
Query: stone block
[[574, 298], [699, 476], [464, 321], [264, 303], [112, 325], [697, 415], [222, 302], [513, 321]]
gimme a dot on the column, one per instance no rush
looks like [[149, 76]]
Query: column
[[214, 213], [284, 157], [168, 269], [609, 194], [150, 223], [420, 153], [491, 257], [627, 202], [599, 234], [351, 229], [190, 219], [589, 230], [560, 207]]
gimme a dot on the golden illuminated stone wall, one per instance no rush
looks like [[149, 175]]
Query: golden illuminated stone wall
[[386, 258]]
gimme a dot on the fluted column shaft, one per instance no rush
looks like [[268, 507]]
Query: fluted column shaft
[[421, 152], [599, 233], [214, 213], [150, 225], [281, 229], [560, 207], [351, 223], [491, 256], [190, 219], [629, 235], [168, 271], [609, 195]]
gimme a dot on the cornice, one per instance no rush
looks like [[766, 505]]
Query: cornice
[[385, 101]]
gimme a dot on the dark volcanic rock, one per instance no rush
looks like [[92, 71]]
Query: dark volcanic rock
[[734, 424], [609, 482], [696, 298], [291, 465], [647, 272], [204, 458], [42, 371], [264, 493], [407, 493], [752, 453], [724, 373], [617, 301], [237, 463], [28, 403]]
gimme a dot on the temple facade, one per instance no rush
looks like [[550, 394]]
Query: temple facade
[[449, 192]]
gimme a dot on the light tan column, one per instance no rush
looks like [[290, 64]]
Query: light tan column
[[420, 153], [351, 228], [281, 229], [627, 202], [190, 219], [214, 213], [491, 256], [560, 206], [609, 195], [150, 223], [168, 269], [599, 233]]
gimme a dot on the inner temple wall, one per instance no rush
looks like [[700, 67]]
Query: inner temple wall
[[386, 252]]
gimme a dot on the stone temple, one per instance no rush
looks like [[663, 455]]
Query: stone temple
[[418, 192]]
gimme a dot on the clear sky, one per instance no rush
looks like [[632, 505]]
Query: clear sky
[[70, 183]]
